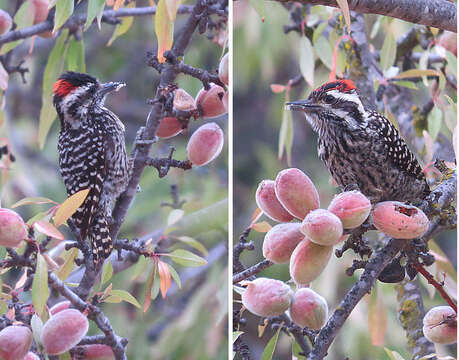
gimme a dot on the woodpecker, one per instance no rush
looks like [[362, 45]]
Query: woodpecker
[[361, 147], [92, 154]]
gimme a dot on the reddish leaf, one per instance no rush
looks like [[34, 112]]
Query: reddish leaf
[[377, 318], [262, 227], [164, 278], [48, 229], [164, 29], [277, 88]]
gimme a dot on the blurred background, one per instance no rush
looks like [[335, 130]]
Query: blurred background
[[264, 55], [201, 304]]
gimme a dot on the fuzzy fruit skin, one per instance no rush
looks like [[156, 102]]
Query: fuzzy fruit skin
[[211, 101], [267, 297], [296, 192], [352, 207], [399, 220], [205, 144], [59, 307], [223, 69], [322, 227], [308, 260], [308, 309], [12, 228], [5, 22], [437, 332], [225, 100], [63, 331], [267, 201], [169, 127], [40, 10], [15, 341], [31, 356], [98, 352], [280, 242]]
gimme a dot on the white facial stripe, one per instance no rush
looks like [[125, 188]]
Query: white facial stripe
[[348, 97]]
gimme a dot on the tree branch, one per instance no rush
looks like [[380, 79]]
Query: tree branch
[[441, 14]]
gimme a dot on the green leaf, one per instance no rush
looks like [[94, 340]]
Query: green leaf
[[65, 356], [175, 276], [40, 290], [416, 73], [286, 135], [296, 349], [407, 84], [174, 216], [95, 8], [452, 63], [75, 56], [393, 355], [186, 258], [375, 29], [268, 352], [22, 19], [69, 263], [236, 335], [53, 69], [259, 6], [107, 272], [37, 326], [64, 9], [451, 102], [156, 286], [423, 62], [344, 6], [125, 296], [318, 31], [32, 200], [139, 268], [306, 60], [324, 52], [434, 120], [193, 243], [172, 7], [122, 28], [388, 52]]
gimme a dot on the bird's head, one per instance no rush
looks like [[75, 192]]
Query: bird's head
[[74, 93], [336, 101]]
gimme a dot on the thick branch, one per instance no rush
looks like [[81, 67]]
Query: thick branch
[[253, 270], [437, 13]]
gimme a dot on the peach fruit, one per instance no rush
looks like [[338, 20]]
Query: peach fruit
[[12, 228], [352, 207], [440, 325], [5, 22], [15, 341], [280, 242], [267, 201], [322, 227], [205, 144], [308, 309], [211, 101]]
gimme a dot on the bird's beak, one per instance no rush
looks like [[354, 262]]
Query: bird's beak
[[111, 86], [302, 105]]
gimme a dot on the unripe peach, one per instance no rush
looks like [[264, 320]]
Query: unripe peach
[[280, 242], [98, 352], [449, 41], [308, 309], [15, 341], [352, 207], [440, 325], [169, 127], [225, 100], [223, 69], [399, 220], [205, 144], [211, 101], [322, 227], [63, 331], [183, 101], [31, 356], [59, 307], [5, 22], [40, 10], [267, 201], [308, 260], [12, 228], [296, 192], [267, 297]]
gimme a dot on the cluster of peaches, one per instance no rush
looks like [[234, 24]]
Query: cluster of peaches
[[308, 245], [64, 329], [206, 143]]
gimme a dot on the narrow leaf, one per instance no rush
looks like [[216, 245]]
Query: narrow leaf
[[388, 52], [407, 84], [174, 216], [416, 73], [268, 352], [164, 29], [53, 69], [149, 286], [262, 227], [343, 5], [172, 7], [434, 120], [186, 258], [324, 52], [175, 276], [40, 290], [377, 318], [306, 60], [64, 8], [32, 200], [75, 56], [164, 278], [37, 326], [193, 243], [286, 135], [95, 8], [125, 296], [69, 206], [122, 28], [68, 265], [48, 229], [259, 6], [277, 88], [107, 272]]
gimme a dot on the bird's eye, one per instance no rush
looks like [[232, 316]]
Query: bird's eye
[[329, 99]]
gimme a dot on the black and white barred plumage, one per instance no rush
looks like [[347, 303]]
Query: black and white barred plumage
[[92, 154], [360, 146]]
